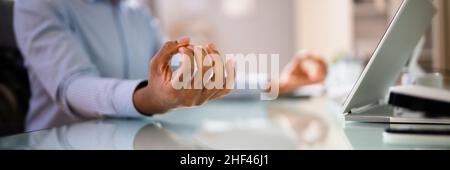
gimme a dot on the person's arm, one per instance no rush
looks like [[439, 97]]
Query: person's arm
[[63, 67]]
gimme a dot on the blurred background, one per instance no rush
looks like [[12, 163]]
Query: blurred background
[[345, 32], [338, 30], [350, 28]]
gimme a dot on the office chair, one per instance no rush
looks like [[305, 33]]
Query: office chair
[[14, 84]]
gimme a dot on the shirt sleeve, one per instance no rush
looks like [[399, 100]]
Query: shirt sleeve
[[63, 67]]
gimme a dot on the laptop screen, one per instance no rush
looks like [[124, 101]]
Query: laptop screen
[[392, 53]]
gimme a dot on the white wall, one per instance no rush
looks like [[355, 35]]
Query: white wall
[[268, 28], [325, 26]]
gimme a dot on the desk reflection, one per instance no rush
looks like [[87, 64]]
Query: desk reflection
[[109, 134], [228, 125]]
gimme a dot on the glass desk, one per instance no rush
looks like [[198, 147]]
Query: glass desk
[[226, 125]]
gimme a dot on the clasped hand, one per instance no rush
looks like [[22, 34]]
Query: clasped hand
[[202, 76]]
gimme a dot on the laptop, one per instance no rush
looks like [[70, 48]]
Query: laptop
[[366, 101]]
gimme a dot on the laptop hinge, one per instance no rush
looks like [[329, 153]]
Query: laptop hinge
[[365, 108]]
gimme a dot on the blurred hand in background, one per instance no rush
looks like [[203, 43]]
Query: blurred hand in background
[[304, 69]]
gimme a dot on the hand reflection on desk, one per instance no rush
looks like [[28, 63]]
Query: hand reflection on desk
[[309, 129], [113, 135], [153, 137]]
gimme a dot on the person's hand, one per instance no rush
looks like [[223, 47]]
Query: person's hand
[[160, 96], [304, 69]]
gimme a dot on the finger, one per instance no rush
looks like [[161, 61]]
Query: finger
[[186, 70], [207, 62], [220, 94], [184, 42], [211, 49], [203, 66], [322, 68], [230, 80], [323, 65], [188, 58], [211, 88], [315, 67], [301, 56], [311, 56], [170, 48], [216, 82], [191, 47], [206, 95], [295, 63], [218, 64]]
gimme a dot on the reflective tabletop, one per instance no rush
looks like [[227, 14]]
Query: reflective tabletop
[[285, 124]]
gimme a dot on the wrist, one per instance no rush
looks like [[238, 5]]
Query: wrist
[[147, 103]]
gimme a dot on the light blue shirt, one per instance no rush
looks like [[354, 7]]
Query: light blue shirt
[[85, 58]]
